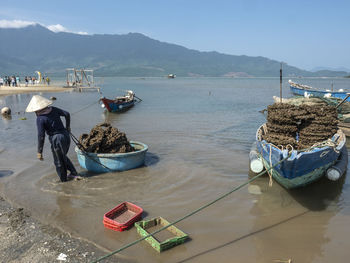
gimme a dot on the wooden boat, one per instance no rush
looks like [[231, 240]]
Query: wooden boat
[[307, 91], [119, 104], [302, 167]]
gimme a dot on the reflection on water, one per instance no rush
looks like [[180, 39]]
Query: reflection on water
[[6, 117], [293, 219], [151, 159], [198, 150], [4, 173], [320, 195]]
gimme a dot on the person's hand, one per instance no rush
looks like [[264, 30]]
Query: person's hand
[[40, 156]]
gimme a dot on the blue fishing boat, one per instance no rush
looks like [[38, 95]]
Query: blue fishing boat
[[303, 166], [119, 104], [307, 91]]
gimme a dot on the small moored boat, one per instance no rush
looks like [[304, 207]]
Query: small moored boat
[[171, 76], [307, 91], [121, 103], [303, 166]]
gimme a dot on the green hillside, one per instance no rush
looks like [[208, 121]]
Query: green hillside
[[37, 48]]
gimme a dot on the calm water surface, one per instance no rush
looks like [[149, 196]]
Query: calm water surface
[[199, 132]]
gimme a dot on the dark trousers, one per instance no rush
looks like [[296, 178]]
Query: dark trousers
[[60, 143]]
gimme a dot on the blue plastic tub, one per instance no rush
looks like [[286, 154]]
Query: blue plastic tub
[[113, 161]]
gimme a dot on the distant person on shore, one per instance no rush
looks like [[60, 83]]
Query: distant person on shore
[[49, 120], [17, 81], [26, 81], [1, 81], [13, 81], [48, 80], [33, 80]]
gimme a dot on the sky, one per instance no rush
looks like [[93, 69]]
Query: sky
[[306, 34]]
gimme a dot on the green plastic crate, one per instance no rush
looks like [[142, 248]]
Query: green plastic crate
[[178, 237]]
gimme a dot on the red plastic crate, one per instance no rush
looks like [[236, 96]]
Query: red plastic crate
[[122, 216], [113, 227]]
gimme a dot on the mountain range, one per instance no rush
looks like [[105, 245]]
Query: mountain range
[[330, 68], [25, 50]]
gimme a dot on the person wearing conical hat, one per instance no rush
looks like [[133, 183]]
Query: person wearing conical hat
[[49, 120]]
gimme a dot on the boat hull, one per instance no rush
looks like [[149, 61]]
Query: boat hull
[[112, 106], [302, 167], [318, 93], [299, 181]]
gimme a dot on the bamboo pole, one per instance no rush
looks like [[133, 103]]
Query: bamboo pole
[[281, 83]]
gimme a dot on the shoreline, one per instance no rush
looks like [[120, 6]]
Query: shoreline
[[7, 90], [26, 239]]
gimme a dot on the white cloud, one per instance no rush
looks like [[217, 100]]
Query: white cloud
[[20, 23], [15, 23], [60, 28], [57, 28]]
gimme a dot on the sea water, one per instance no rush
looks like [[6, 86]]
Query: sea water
[[199, 132]]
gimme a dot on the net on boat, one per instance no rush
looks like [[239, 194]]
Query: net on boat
[[300, 126]]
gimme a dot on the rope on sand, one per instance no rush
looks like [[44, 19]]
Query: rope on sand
[[191, 213]]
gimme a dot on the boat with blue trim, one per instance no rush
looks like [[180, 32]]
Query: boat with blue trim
[[302, 167], [307, 91], [120, 104]]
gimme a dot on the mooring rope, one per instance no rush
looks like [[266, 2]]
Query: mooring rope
[[85, 107], [265, 166], [189, 214], [326, 143], [270, 172]]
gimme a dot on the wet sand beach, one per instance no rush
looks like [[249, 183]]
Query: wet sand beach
[[199, 133]]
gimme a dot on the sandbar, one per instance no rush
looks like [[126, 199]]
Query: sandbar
[[6, 90]]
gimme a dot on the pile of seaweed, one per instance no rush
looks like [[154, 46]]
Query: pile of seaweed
[[103, 138], [300, 126]]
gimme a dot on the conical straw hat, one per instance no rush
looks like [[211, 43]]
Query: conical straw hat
[[38, 103]]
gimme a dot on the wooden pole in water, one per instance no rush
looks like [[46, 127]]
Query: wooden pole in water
[[281, 83]]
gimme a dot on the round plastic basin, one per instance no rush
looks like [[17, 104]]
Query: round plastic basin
[[113, 161]]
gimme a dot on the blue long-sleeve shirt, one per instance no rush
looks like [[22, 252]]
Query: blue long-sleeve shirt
[[51, 123]]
